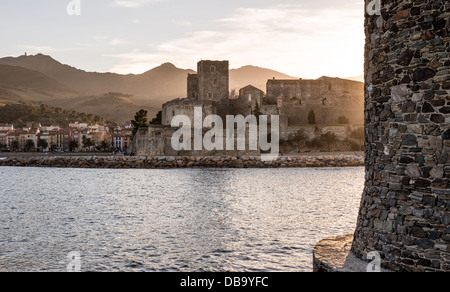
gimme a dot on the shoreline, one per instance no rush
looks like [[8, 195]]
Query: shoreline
[[167, 162]]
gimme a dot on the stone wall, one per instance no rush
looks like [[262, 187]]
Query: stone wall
[[154, 140], [404, 212], [245, 104], [192, 86], [330, 98], [185, 106], [144, 162]]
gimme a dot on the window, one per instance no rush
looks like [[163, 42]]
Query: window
[[210, 95], [213, 69], [249, 97], [215, 81]]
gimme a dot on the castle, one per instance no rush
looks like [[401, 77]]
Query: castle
[[291, 100]]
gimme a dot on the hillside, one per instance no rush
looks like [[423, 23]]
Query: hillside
[[154, 87], [113, 106], [35, 84], [42, 79], [21, 113], [252, 75]]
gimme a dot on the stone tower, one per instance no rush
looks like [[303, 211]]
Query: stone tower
[[213, 80], [404, 213]]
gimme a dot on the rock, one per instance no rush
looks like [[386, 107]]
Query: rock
[[424, 243], [401, 15], [409, 140], [423, 74], [413, 171], [400, 93], [437, 118], [418, 232], [427, 108]]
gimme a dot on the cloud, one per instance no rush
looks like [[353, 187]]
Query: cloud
[[182, 23], [301, 42], [116, 42], [132, 3]]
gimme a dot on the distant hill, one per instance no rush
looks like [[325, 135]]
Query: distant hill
[[32, 82], [113, 106], [155, 86], [40, 78], [359, 78], [252, 75], [20, 113]]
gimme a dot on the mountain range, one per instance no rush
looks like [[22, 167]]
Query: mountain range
[[43, 80]]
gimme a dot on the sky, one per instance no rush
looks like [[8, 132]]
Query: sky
[[301, 38]]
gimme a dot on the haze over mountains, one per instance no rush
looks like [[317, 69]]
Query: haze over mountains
[[41, 79]]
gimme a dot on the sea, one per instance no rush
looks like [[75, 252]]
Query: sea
[[172, 220]]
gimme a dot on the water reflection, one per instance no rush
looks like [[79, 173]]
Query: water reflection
[[173, 220]]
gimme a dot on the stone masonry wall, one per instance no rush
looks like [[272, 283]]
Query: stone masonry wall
[[404, 211], [163, 162]]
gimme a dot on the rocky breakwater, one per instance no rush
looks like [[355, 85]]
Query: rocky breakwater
[[183, 162]]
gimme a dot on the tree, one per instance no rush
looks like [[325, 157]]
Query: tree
[[43, 144], [311, 117], [73, 145], [343, 120], [358, 134], [104, 145], [314, 143], [15, 145], [157, 120], [299, 138], [29, 145], [140, 121], [329, 138], [88, 143]]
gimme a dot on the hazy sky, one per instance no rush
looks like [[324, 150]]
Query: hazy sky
[[303, 38]]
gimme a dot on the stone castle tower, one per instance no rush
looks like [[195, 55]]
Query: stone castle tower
[[404, 212], [211, 85], [213, 80], [404, 215]]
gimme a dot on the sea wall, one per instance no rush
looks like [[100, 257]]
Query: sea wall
[[183, 162]]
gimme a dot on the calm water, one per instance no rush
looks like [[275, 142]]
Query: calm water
[[173, 220]]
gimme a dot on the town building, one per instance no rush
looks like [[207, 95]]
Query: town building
[[6, 127]]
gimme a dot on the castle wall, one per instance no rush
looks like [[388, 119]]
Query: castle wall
[[404, 213], [330, 98], [192, 84], [185, 107], [154, 141], [157, 141]]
